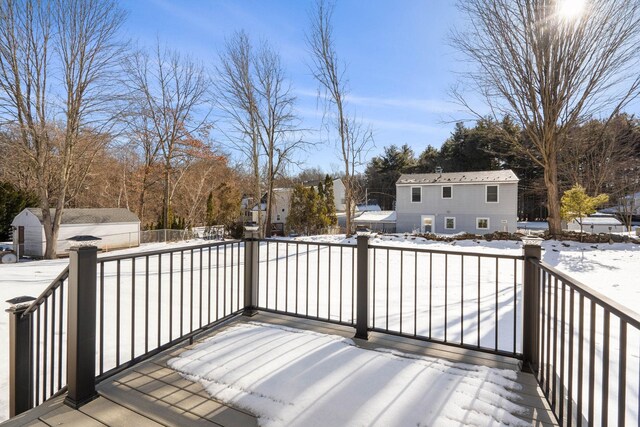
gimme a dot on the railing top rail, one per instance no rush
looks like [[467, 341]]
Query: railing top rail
[[55, 284], [447, 252], [310, 243], [631, 317], [165, 251]]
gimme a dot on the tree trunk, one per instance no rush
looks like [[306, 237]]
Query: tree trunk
[[166, 202], [553, 197]]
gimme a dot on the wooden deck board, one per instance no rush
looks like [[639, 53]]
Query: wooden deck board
[[150, 394]]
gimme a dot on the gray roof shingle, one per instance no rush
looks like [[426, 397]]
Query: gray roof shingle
[[91, 215], [458, 177]]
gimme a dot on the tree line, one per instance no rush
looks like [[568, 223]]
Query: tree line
[[602, 156]]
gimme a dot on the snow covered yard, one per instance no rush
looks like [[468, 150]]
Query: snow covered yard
[[291, 377], [611, 269]]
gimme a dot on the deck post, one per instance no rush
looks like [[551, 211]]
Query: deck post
[[362, 290], [81, 327], [251, 259], [19, 356], [531, 310]]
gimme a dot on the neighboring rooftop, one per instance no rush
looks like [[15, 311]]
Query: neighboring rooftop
[[91, 215], [377, 216], [458, 177], [598, 220]]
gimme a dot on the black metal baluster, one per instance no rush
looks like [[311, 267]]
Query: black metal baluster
[[146, 304], [224, 282], [543, 313], [401, 288], [159, 300], [200, 290], [217, 282], [318, 285], [297, 276], [478, 314], [329, 283], [555, 344], [231, 281], [415, 293], [387, 301], [580, 360], [286, 278], [446, 295], [374, 287], [341, 254], [118, 324], [277, 278], [267, 278], [562, 323], [60, 324], [606, 331], [430, 291], [37, 357], [622, 374], [497, 319], [461, 299], [570, 367], [307, 290], [515, 303], [133, 306], [592, 358]]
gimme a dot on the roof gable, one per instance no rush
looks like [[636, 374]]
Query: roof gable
[[91, 215], [458, 177]]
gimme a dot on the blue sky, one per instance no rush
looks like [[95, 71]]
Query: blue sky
[[400, 66]]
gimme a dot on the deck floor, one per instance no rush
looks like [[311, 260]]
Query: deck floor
[[151, 394]]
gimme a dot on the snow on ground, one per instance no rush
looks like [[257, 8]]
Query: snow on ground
[[610, 269], [290, 377]]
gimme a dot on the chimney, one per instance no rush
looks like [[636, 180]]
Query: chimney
[[439, 170]]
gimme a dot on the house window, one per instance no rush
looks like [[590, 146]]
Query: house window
[[449, 223], [491, 193], [482, 223], [447, 192], [278, 217], [416, 194]]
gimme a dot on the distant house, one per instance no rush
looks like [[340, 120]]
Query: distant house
[[598, 223], [473, 202], [116, 227], [338, 192], [281, 204], [384, 221]]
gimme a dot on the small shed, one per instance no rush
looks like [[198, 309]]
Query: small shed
[[596, 224], [384, 221], [116, 227]]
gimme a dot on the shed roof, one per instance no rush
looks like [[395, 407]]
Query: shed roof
[[91, 215], [599, 220], [376, 216], [459, 177]]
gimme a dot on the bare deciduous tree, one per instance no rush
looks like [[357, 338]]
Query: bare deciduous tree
[[549, 70], [169, 93], [354, 140], [257, 100], [57, 63]]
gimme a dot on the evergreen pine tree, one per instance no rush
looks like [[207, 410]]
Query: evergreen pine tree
[[329, 200]]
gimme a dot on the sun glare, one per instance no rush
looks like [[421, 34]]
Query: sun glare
[[571, 10]]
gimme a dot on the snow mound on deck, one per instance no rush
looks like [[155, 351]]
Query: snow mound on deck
[[291, 377]]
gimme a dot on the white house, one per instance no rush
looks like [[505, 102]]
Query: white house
[[281, 204], [473, 202], [116, 227]]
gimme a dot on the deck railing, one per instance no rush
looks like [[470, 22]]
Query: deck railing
[[587, 352], [578, 343]]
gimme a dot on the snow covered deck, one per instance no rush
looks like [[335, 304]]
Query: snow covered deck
[[311, 375]]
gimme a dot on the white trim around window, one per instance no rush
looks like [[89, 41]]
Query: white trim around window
[[486, 193], [418, 201], [446, 222], [450, 192], [478, 223]]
